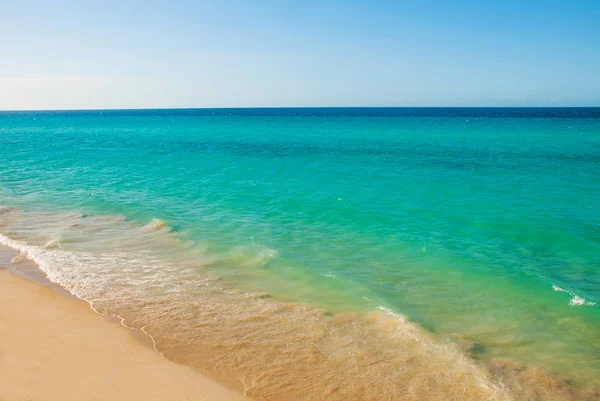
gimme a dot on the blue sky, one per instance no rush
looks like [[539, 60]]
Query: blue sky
[[125, 54]]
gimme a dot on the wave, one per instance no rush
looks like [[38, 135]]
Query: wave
[[156, 224], [265, 348], [576, 300]]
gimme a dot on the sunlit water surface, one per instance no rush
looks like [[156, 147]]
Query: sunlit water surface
[[327, 253]]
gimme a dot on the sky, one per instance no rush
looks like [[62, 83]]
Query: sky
[[150, 54]]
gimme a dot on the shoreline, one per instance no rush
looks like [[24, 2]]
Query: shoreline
[[52, 349], [31, 272], [31, 283]]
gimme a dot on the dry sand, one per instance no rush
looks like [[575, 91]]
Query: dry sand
[[57, 349]]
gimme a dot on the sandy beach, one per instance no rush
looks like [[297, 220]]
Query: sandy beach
[[53, 349]]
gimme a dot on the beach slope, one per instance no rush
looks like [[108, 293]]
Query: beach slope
[[56, 349]]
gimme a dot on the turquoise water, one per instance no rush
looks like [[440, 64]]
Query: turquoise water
[[480, 225]]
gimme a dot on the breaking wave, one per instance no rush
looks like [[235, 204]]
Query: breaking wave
[[576, 300]]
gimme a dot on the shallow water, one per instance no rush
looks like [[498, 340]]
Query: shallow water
[[329, 253]]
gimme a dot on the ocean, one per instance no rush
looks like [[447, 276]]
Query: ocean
[[327, 253]]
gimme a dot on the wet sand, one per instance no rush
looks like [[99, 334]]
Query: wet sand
[[53, 349]]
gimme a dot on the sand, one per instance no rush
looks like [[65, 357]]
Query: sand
[[55, 349]]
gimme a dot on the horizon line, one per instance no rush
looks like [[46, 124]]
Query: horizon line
[[298, 107]]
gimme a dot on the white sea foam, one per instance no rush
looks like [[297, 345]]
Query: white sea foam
[[391, 313], [156, 224], [20, 258], [100, 253], [576, 300], [144, 277], [53, 243]]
